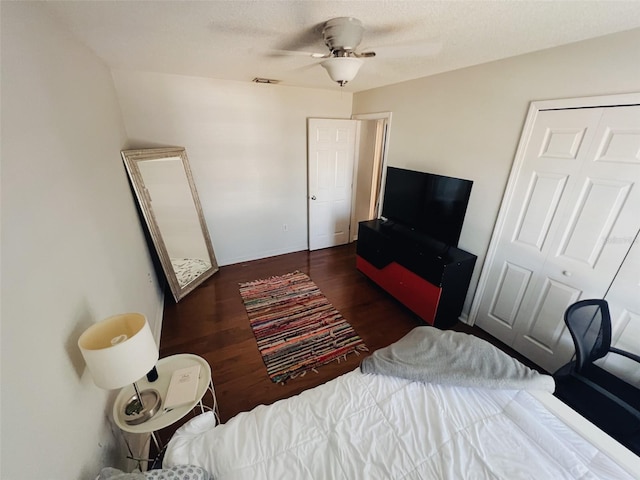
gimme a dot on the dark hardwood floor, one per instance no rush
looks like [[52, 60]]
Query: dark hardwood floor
[[212, 322]]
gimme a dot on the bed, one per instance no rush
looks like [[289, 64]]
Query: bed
[[435, 405]]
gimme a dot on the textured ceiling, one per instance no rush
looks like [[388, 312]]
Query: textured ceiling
[[240, 40]]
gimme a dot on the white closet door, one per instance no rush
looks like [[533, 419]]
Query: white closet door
[[576, 190]]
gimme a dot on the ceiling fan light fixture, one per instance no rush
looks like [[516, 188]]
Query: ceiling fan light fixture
[[342, 69]]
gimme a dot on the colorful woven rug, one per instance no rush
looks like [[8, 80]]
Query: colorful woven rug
[[296, 327]]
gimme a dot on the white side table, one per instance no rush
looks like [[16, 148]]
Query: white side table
[[166, 366]]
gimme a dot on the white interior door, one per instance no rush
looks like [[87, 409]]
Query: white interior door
[[577, 189], [331, 158]]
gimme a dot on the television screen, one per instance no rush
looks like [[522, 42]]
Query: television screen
[[425, 202]]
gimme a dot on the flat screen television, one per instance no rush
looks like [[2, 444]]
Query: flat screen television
[[427, 203]]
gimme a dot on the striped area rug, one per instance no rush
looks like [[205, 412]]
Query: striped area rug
[[296, 327]]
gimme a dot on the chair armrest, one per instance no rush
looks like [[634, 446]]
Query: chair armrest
[[617, 400], [630, 355]]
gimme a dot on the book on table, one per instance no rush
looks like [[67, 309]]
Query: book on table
[[183, 386]]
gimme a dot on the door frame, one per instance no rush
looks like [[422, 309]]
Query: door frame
[[382, 144], [534, 109]]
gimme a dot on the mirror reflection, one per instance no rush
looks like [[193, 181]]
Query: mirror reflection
[[167, 196]]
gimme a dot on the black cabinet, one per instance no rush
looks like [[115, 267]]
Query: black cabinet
[[429, 277]]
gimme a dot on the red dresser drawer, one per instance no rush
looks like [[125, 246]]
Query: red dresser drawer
[[419, 296], [414, 292]]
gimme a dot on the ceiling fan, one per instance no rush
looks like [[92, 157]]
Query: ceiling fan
[[342, 36]]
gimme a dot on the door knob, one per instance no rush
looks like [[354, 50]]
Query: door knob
[[313, 197], [566, 273]]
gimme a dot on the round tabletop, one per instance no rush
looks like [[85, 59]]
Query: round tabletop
[[165, 366]]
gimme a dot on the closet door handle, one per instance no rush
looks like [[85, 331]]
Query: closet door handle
[[313, 197]]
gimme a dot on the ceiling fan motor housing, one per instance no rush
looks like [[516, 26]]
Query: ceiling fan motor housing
[[342, 35]]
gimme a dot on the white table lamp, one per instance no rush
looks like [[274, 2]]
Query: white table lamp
[[121, 350]]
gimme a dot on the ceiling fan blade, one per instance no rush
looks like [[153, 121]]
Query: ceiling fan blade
[[381, 30], [304, 68], [309, 37], [365, 54], [291, 53], [409, 49]]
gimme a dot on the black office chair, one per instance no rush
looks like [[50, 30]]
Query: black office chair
[[600, 396]]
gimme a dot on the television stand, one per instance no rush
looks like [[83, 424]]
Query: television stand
[[427, 276]]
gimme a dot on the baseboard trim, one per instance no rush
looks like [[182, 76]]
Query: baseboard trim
[[464, 318]]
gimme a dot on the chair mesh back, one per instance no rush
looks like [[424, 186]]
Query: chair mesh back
[[589, 323]]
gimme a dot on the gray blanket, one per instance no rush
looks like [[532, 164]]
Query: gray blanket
[[427, 354]]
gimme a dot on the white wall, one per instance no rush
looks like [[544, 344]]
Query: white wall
[[467, 123], [73, 251], [247, 147]]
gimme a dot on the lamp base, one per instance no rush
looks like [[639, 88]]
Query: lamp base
[[136, 412]]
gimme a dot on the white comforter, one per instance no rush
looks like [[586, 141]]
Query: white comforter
[[364, 426]]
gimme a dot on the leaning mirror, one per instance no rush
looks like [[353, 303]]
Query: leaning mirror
[[167, 196]]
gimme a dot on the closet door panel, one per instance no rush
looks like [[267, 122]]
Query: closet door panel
[[540, 205], [512, 284], [599, 205]]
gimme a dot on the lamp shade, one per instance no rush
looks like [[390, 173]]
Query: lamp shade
[[119, 350], [342, 69]]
